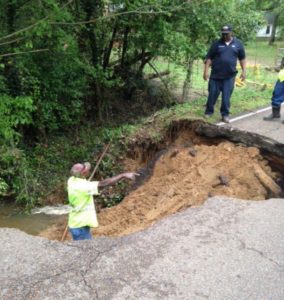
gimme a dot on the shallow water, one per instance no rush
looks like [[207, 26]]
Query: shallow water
[[12, 217]]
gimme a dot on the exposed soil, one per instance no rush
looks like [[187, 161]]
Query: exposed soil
[[185, 175]]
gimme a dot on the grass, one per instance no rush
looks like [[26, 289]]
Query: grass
[[256, 93], [260, 52]]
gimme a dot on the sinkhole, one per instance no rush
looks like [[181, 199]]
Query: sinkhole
[[192, 162]]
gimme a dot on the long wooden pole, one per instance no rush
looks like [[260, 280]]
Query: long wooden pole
[[98, 162], [90, 178]]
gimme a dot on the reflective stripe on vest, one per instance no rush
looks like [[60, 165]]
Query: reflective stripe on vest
[[83, 211]]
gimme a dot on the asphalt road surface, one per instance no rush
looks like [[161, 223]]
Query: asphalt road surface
[[254, 122]]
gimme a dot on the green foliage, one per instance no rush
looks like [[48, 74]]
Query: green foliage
[[246, 28], [14, 112], [112, 196], [11, 167], [3, 187]]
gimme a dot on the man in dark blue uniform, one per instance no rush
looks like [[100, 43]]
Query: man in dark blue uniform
[[222, 57]]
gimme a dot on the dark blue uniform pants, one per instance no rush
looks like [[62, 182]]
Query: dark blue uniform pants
[[215, 87], [278, 94]]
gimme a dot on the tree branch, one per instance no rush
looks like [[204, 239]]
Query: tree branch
[[137, 11], [13, 41], [23, 52], [32, 25]]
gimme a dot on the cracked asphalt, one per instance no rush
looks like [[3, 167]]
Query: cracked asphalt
[[225, 249]]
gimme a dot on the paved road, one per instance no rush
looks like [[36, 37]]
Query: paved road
[[226, 249], [255, 123]]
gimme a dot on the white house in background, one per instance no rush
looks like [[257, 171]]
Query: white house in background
[[266, 30]]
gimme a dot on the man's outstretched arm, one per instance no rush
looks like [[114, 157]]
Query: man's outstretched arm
[[115, 179]]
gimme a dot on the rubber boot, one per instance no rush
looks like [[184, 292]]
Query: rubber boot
[[275, 114]]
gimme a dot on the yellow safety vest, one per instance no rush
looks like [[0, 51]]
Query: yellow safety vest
[[80, 197], [281, 75]]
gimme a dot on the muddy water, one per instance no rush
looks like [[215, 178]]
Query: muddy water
[[12, 217]]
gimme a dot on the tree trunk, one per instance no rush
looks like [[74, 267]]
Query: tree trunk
[[90, 7], [93, 9], [99, 102], [274, 27], [110, 46], [187, 82], [124, 45], [11, 15]]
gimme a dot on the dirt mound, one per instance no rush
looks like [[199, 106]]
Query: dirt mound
[[185, 177]]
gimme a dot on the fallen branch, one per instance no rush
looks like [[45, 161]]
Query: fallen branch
[[158, 74], [155, 75]]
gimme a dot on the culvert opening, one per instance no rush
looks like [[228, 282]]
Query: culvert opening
[[187, 167]]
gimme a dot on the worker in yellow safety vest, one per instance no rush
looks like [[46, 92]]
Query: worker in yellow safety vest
[[277, 97], [82, 215]]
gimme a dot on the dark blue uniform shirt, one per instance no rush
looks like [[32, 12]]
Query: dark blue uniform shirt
[[224, 58]]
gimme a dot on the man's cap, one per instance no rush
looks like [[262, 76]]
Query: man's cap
[[226, 29], [80, 169]]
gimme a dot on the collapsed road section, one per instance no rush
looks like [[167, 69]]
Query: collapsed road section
[[192, 162]]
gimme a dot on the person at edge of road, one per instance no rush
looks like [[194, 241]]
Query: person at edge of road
[[82, 215], [222, 57], [277, 96]]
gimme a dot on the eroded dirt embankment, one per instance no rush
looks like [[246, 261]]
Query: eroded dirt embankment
[[188, 171]]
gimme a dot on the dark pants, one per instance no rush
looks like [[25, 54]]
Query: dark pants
[[215, 87], [278, 94]]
